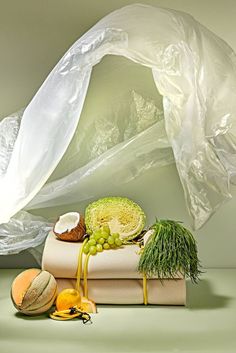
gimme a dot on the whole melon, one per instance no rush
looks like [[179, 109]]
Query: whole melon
[[33, 291]]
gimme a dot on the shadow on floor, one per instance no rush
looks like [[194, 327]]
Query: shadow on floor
[[201, 296], [44, 316]]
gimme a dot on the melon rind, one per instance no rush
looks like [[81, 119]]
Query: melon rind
[[36, 288], [25, 279], [46, 296]]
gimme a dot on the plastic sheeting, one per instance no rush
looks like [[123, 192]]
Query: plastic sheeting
[[192, 124], [23, 231]]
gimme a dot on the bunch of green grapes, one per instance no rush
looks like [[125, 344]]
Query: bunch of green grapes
[[102, 239]]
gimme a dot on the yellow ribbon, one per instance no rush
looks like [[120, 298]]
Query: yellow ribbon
[[69, 314], [145, 290], [79, 267], [86, 276]]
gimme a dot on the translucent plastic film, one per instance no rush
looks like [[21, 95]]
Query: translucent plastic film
[[21, 232], [177, 105]]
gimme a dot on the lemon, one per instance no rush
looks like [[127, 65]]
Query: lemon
[[68, 298]]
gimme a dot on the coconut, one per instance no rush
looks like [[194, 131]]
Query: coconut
[[33, 291], [70, 227]]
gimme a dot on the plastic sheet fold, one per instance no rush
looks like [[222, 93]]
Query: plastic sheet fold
[[176, 104]]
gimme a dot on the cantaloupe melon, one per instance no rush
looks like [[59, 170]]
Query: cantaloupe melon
[[33, 291]]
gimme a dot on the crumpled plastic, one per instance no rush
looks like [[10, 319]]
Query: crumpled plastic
[[182, 110], [23, 231], [9, 128]]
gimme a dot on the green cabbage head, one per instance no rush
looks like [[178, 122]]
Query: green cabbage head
[[121, 214]]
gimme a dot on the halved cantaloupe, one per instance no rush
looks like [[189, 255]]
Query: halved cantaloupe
[[33, 291]]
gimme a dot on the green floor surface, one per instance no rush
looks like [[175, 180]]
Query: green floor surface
[[207, 324]]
